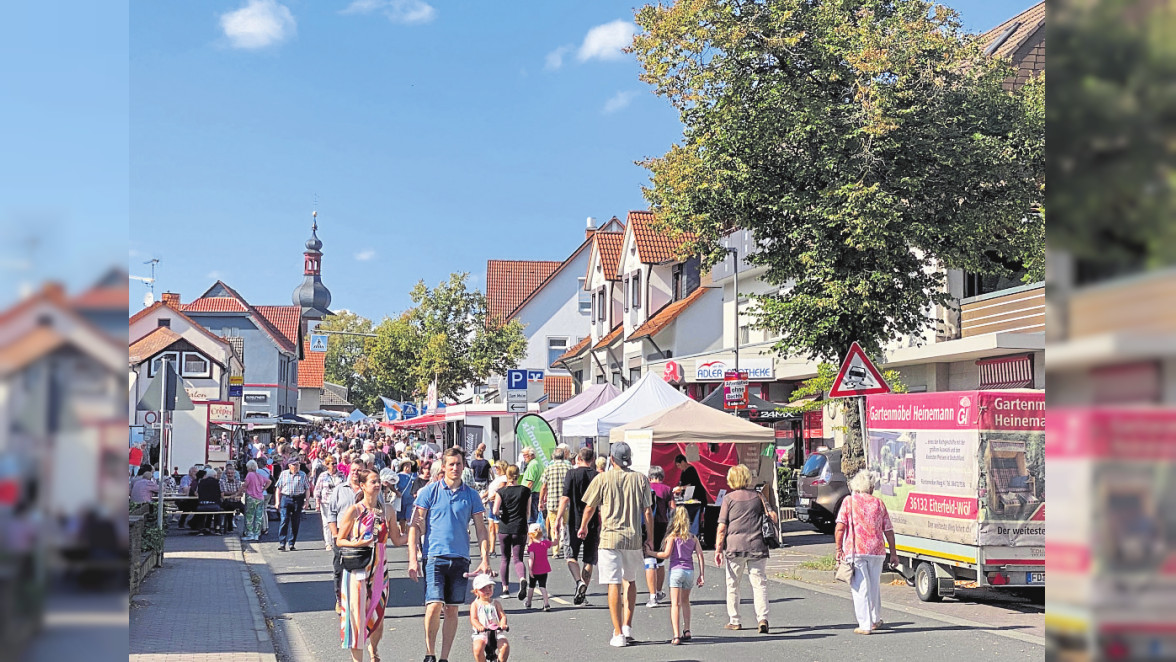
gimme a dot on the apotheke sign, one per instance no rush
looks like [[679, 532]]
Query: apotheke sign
[[758, 369]]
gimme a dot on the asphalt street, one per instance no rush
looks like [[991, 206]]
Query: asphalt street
[[806, 623]]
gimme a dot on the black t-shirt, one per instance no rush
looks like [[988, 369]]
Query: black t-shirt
[[690, 477], [516, 507], [208, 490], [481, 470], [576, 483]]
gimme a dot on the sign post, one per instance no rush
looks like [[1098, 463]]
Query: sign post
[[318, 342], [516, 391], [858, 378]]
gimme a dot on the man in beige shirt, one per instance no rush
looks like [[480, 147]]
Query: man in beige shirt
[[624, 500]]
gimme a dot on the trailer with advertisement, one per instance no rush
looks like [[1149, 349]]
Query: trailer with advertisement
[[962, 474]]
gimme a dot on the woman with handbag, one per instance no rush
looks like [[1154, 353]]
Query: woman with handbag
[[364, 529], [863, 532], [740, 540]]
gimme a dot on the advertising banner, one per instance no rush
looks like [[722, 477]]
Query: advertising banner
[[532, 430], [965, 467], [473, 436]]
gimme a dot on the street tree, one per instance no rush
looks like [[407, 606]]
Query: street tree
[[346, 360], [866, 144]]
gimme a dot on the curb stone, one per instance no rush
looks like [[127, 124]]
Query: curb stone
[[259, 627]]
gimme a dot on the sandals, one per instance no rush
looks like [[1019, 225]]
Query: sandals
[[676, 641], [686, 636], [374, 654]]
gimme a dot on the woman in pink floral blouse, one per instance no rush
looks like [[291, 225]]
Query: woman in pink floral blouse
[[863, 532]]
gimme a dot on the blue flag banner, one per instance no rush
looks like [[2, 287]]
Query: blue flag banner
[[393, 410]]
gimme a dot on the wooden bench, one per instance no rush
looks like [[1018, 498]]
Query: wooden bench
[[193, 514]]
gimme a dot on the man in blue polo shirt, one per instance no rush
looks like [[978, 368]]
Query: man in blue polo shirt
[[443, 510]]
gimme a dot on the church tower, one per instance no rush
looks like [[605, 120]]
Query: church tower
[[312, 296]]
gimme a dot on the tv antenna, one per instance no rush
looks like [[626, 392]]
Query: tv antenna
[[149, 298]]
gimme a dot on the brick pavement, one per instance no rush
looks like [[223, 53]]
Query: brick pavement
[[200, 606]]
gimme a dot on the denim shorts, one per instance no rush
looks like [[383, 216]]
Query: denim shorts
[[681, 578], [445, 579]]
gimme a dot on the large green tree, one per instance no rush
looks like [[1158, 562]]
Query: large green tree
[[867, 144], [444, 336], [346, 361]]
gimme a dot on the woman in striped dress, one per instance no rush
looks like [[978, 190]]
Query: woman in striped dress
[[365, 592]]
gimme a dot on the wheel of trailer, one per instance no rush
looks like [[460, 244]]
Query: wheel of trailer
[[926, 585]]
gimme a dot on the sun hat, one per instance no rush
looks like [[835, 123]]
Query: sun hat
[[482, 581]]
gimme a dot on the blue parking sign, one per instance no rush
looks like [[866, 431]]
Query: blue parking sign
[[516, 379]]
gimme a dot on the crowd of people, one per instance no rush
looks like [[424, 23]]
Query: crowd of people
[[376, 489]]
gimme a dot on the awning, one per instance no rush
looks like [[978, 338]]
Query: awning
[[418, 422], [1006, 372]]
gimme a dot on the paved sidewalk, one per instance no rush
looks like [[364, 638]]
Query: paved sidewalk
[[200, 606]]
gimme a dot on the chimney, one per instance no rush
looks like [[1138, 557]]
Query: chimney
[[54, 291], [171, 299], [590, 227]]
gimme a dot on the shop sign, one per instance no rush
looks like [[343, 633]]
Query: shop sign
[[220, 413], [735, 389], [672, 373], [237, 380], [757, 369]]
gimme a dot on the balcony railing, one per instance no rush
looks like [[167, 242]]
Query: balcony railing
[[1019, 309]]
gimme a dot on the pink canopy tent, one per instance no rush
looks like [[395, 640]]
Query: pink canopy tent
[[590, 399]]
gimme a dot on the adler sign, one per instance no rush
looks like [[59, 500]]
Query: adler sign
[[757, 369]]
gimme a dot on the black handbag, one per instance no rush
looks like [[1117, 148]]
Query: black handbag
[[768, 528], [355, 558]]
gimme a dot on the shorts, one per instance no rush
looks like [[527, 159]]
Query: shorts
[[617, 565], [491, 517], [653, 563], [681, 578], [538, 580], [445, 579], [482, 636], [589, 545]]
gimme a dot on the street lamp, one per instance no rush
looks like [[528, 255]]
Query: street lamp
[[735, 270]]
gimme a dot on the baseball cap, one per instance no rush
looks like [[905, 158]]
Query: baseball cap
[[482, 581], [621, 452], [535, 526]]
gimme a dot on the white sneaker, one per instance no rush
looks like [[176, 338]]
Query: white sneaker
[[652, 602], [627, 633], [618, 641]]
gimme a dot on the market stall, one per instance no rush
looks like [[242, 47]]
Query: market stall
[[592, 398], [650, 394], [711, 440]]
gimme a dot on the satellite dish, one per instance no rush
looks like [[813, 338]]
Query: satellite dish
[[148, 299]]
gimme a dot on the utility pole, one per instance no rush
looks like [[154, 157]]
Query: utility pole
[[735, 270]]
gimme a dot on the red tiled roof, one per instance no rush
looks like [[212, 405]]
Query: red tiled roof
[[28, 348], [559, 389], [285, 318], [668, 313], [610, 338], [1024, 45], [509, 282], [311, 367], [655, 245], [215, 305], [609, 246], [575, 351], [151, 344], [104, 298]]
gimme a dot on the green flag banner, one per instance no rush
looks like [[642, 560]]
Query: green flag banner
[[533, 431]]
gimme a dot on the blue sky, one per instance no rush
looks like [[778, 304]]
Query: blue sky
[[435, 136]]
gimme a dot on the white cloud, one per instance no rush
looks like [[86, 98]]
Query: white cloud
[[214, 275], [409, 12], [555, 58], [604, 42], [364, 256], [258, 24], [618, 101]]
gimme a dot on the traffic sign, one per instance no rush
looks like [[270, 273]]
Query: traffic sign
[[516, 395], [318, 342], [516, 379], [858, 376], [516, 407]]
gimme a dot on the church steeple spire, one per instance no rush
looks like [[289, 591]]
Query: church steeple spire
[[312, 296]]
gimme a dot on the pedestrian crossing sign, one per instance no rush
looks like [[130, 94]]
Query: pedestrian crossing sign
[[318, 342]]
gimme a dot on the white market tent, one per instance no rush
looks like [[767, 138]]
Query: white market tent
[[650, 394], [594, 396], [712, 440]]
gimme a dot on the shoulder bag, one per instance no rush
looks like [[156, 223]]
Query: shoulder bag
[[768, 528], [844, 572], [355, 558]]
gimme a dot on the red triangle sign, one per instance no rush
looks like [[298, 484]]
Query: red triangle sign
[[857, 376]]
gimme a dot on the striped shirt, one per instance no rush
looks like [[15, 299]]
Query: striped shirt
[[553, 478]]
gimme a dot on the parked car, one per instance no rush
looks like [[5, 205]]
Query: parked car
[[820, 490]]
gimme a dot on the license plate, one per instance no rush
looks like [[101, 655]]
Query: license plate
[[806, 502], [1035, 578]]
